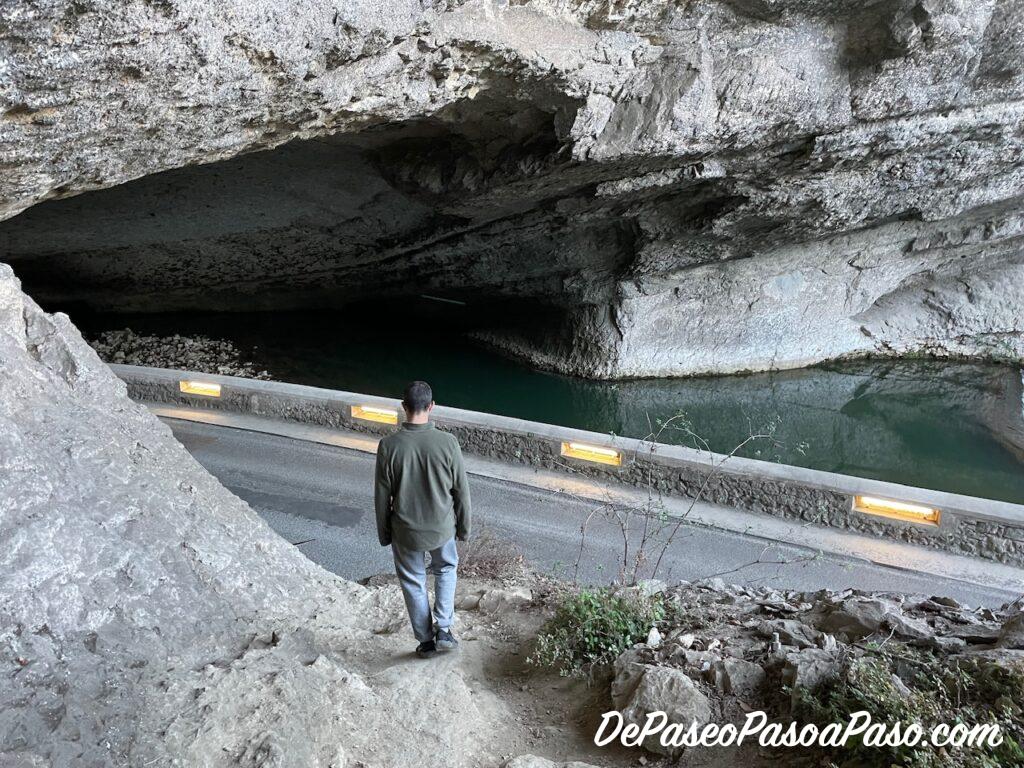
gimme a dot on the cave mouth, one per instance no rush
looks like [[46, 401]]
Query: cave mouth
[[470, 223], [307, 345]]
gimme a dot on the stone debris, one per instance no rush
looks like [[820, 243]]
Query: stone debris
[[738, 652], [1011, 634], [498, 600], [187, 353]]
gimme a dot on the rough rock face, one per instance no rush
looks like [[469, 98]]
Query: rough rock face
[[698, 187], [149, 617]]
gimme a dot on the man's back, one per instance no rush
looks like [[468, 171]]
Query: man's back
[[421, 491]]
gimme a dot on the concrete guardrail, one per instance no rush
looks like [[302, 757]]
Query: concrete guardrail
[[963, 524]]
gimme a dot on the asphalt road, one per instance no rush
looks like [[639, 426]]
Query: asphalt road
[[319, 497]]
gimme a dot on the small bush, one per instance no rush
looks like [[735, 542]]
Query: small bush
[[488, 557], [592, 627], [969, 691]]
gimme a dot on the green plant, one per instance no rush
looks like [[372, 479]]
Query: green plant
[[933, 690], [592, 627]]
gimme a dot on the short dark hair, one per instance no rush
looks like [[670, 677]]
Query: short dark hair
[[417, 397]]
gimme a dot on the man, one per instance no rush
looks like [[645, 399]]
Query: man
[[422, 501]]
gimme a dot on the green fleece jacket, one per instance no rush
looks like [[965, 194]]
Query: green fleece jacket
[[421, 492]]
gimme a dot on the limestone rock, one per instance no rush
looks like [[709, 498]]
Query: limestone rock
[[152, 618], [639, 689], [499, 601], [858, 617], [713, 186], [791, 632], [533, 761], [810, 668], [653, 638], [738, 677]]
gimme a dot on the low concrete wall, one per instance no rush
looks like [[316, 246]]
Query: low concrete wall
[[982, 527]]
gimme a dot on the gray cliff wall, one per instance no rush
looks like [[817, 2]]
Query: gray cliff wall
[[691, 188], [125, 566]]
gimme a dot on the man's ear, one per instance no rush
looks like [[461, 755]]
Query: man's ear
[[430, 407]]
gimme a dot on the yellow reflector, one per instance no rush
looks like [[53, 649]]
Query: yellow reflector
[[595, 453], [898, 510], [375, 413], [205, 388]]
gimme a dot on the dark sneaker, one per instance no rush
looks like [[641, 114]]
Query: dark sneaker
[[426, 649], [444, 640]]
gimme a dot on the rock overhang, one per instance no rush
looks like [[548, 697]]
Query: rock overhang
[[654, 174]]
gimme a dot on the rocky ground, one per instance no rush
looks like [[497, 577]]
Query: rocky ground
[[187, 353], [730, 650]]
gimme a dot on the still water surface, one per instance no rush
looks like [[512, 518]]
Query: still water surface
[[949, 426]]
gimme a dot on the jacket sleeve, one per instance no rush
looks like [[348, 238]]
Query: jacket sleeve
[[382, 497], [460, 496]]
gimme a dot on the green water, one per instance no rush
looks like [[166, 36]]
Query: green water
[[948, 426]]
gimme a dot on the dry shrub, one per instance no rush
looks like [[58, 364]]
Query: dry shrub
[[487, 556]]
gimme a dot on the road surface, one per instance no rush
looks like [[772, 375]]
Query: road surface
[[319, 497]]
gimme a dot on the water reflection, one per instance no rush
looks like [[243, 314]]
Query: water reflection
[[944, 425]]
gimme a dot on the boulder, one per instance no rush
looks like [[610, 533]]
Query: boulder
[[738, 677], [638, 690], [809, 668]]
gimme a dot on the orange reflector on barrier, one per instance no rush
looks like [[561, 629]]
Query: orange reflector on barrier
[[375, 413], [204, 388], [897, 510], [596, 453]]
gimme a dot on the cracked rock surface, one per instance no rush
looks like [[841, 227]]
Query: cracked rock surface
[[713, 186]]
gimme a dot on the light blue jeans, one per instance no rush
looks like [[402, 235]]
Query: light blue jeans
[[411, 567]]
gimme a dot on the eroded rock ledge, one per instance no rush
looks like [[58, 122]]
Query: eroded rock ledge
[[708, 187]]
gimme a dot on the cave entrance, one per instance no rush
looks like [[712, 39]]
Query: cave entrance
[[468, 224], [370, 345], [471, 224]]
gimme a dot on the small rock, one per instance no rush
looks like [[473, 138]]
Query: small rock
[[494, 601], [791, 632], [809, 668], [468, 602], [650, 587], [1011, 635], [654, 638], [828, 643], [533, 761], [685, 640], [738, 677]]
